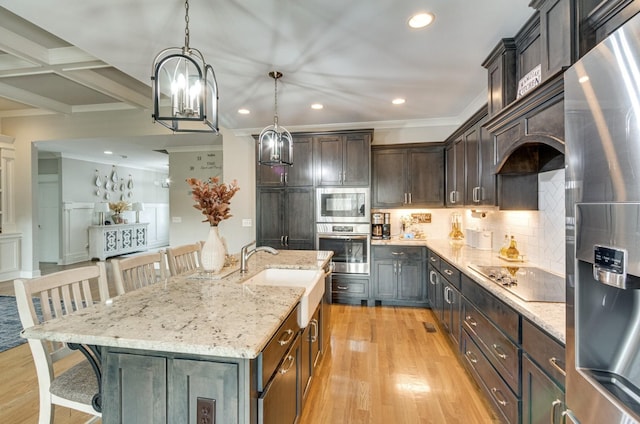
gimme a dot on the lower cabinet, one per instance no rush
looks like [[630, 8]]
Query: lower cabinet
[[153, 389], [311, 350], [398, 275], [350, 289], [542, 398], [518, 366]]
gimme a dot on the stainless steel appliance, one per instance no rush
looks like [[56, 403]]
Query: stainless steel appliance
[[529, 283], [602, 126], [341, 204], [377, 224], [386, 227], [350, 244]]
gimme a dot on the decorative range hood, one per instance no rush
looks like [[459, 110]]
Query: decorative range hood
[[528, 138]]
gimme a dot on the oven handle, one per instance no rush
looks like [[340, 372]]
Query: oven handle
[[337, 237]]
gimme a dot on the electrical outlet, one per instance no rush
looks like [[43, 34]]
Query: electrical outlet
[[421, 218], [246, 222], [206, 411]]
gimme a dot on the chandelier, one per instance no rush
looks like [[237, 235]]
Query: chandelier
[[184, 88], [275, 144]]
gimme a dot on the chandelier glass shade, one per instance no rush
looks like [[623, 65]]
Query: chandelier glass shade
[[275, 143], [184, 88]]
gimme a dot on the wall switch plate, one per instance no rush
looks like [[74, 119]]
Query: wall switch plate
[[421, 218], [206, 411], [176, 219], [246, 222]]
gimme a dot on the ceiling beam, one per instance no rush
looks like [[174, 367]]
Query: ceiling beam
[[31, 99], [109, 87]]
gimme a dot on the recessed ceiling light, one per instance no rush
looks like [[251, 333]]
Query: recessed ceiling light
[[317, 106], [398, 101], [108, 152], [421, 20], [243, 111], [583, 79]]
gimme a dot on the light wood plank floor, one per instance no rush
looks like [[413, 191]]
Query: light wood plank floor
[[383, 367]]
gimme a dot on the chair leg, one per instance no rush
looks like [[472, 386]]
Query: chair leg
[[47, 411]]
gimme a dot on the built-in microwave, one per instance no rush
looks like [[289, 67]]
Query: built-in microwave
[[339, 204]]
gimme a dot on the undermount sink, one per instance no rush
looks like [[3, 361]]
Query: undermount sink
[[311, 279]]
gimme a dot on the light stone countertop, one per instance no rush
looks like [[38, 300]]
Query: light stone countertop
[[550, 316], [186, 315]]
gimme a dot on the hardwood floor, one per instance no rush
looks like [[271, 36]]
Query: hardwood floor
[[383, 367]]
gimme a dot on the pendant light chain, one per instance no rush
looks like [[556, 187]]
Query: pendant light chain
[[275, 117], [186, 26]]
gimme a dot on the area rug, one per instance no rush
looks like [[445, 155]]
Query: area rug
[[10, 325]]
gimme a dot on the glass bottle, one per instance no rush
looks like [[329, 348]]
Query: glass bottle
[[512, 250], [505, 246]]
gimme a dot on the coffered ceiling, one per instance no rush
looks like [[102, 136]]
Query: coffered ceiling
[[354, 57]]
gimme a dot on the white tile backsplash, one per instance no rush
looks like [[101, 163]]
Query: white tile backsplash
[[540, 234]]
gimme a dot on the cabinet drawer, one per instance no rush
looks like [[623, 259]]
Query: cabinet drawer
[[434, 260], [414, 253], [502, 353], [355, 288], [450, 272], [545, 351], [272, 354], [499, 313], [496, 389]]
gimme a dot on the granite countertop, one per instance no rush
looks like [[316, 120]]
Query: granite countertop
[[550, 316], [191, 315]]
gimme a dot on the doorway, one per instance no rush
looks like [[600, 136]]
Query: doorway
[[49, 218]]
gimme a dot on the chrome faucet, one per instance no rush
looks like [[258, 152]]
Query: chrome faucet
[[245, 254]]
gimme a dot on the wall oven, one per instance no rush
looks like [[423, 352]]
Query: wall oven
[[350, 243], [340, 204]]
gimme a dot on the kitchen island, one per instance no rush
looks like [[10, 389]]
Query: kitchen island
[[165, 346]]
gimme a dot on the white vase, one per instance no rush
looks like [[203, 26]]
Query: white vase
[[214, 252]]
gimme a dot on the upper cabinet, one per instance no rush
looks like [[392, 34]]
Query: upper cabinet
[[408, 175], [469, 164], [343, 159], [597, 19], [501, 70], [298, 175]]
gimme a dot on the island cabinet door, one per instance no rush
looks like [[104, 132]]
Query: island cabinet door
[[134, 387], [214, 383]]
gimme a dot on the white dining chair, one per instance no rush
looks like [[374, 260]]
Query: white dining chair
[[138, 271], [184, 259], [52, 296]]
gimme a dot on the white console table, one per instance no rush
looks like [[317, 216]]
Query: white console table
[[118, 239]]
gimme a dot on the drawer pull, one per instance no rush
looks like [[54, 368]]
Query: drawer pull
[[433, 276], [469, 320], [397, 253], [291, 360], [502, 401], [472, 357], [554, 363], [286, 337], [448, 272], [554, 405], [498, 350], [342, 287]]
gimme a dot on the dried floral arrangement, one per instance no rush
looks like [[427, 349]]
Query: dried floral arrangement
[[119, 207], [213, 198]]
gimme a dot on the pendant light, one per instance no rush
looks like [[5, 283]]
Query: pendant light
[[275, 144], [184, 88]]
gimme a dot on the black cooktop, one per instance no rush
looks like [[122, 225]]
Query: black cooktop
[[528, 283]]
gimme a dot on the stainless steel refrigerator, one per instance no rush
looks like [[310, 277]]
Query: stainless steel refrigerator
[[602, 158]]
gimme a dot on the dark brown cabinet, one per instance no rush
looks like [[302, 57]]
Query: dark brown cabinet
[[298, 175], [454, 181], [343, 159], [501, 70], [408, 175], [285, 218], [398, 275], [479, 155]]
